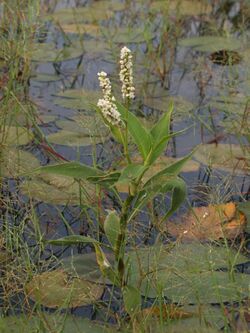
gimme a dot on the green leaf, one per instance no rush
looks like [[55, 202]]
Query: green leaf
[[187, 273], [47, 322], [179, 193], [161, 134], [132, 300], [141, 137], [71, 169], [161, 185], [131, 172], [72, 240], [161, 129], [172, 170], [112, 228], [105, 180]]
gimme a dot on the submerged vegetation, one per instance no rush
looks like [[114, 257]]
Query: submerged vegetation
[[124, 160]]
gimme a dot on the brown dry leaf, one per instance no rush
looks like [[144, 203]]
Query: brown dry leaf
[[168, 311], [211, 222]]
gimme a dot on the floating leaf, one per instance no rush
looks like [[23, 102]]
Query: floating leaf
[[78, 99], [189, 258], [85, 266], [227, 157], [45, 192], [186, 274], [211, 43], [47, 52], [15, 135], [96, 12], [93, 30], [178, 319], [45, 77], [73, 139], [206, 287], [182, 107], [15, 161], [127, 35], [184, 7], [57, 289], [85, 124], [211, 222], [51, 323]]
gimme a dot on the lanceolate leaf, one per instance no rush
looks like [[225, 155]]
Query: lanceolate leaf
[[161, 129], [73, 240], [172, 170], [71, 169], [174, 184], [105, 179], [179, 192], [112, 227], [140, 135]]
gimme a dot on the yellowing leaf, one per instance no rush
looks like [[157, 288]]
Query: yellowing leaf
[[211, 222]]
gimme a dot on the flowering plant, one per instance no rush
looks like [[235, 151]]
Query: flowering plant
[[151, 144]]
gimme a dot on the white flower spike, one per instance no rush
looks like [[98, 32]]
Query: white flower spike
[[106, 104], [126, 74]]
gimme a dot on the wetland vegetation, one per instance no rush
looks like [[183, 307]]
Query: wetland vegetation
[[124, 166]]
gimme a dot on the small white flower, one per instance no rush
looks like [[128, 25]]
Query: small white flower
[[106, 104], [109, 111], [105, 84], [126, 73]]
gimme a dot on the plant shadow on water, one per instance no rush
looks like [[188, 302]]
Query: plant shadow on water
[[131, 213]]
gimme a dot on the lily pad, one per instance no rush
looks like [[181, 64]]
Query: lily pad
[[231, 158], [15, 136], [79, 99], [51, 323], [182, 107], [211, 43], [47, 52], [85, 124], [15, 162], [58, 190], [57, 289], [43, 77], [73, 139], [191, 268], [184, 7], [92, 30], [206, 287], [209, 223], [202, 318], [189, 258], [85, 266], [97, 11], [127, 35]]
